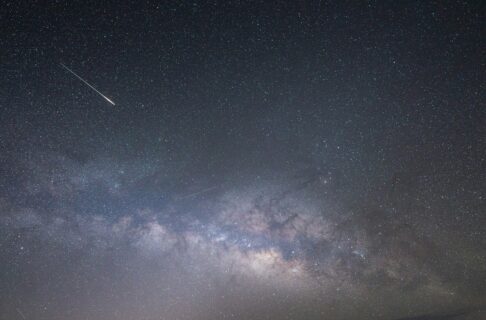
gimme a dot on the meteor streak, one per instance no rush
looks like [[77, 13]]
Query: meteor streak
[[198, 192], [21, 314], [86, 83]]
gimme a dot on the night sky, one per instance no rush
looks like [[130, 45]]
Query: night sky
[[260, 160]]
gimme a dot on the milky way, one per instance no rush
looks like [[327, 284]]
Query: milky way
[[284, 161]]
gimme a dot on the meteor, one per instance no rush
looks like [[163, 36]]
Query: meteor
[[198, 192], [20, 312], [86, 83]]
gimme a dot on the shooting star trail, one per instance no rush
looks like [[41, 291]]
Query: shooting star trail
[[86, 83], [21, 314], [198, 192]]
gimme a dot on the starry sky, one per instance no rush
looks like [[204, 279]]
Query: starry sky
[[269, 160]]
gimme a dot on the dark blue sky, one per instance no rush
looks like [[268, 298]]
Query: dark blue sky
[[286, 160]]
